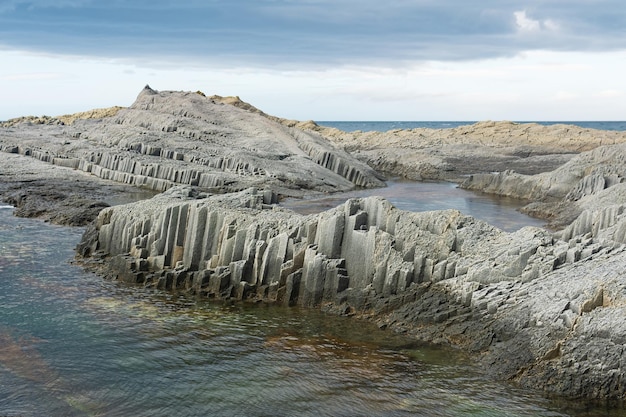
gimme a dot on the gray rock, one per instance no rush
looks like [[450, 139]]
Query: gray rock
[[169, 138], [525, 300]]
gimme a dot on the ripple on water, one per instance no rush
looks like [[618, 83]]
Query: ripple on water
[[72, 344]]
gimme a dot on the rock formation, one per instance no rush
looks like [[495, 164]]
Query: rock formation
[[168, 138], [448, 154], [67, 119], [529, 301], [539, 307], [592, 179]]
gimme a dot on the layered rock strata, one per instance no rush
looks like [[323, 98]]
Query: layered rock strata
[[448, 154], [169, 138], [538, 306], [592, 179]]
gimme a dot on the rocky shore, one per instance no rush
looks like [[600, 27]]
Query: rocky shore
[[544, 308]]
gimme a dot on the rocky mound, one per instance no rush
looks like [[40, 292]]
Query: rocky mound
[[67, 119], [168, 138]]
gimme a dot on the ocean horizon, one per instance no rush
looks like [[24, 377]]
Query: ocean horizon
[[384, 126]]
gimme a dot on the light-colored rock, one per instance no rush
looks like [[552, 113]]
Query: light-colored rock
[[518, 298], [527, 148], [543, 308], [168, 138], [590, 180]]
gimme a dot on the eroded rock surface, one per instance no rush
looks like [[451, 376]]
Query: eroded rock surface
[[592, 179], [448, 154], [169, 138], [531, 302], [542, 308]]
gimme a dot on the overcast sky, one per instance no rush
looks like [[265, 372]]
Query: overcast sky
[[322, 59]]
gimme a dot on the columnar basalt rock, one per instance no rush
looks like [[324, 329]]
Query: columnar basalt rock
[[176, 138], [562, 194], [441, 276], [545, 309], [355, 246]]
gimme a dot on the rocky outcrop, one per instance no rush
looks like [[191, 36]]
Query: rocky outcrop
[[544, 309], [169, 138], [576, 185], [67, 119], [449, 154], [440, 276]]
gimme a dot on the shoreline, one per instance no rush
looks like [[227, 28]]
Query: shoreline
[[537, 307]]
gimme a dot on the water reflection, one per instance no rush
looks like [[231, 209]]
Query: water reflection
[[426, 196]]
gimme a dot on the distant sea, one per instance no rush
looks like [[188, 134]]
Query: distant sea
[[385, 126]]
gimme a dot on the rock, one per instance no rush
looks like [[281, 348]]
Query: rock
[[539, 307], [483, 147], [568, 190], [518, 298], [168, 138]]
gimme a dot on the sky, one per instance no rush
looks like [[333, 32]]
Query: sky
[[322, 59]]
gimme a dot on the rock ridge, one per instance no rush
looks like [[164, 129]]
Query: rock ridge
[[168, 138], [590, 177], [449, 154], [440, 276]]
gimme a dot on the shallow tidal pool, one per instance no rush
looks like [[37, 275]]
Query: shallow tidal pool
[[501, 212]]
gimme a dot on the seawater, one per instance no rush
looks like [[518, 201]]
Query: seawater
[[426, 196], [73, 344], [384, 126]]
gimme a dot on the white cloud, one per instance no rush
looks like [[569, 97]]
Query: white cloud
[[609, 94], [565, 96], [34, 76], [533, 86], [525, 24], [551, 25]]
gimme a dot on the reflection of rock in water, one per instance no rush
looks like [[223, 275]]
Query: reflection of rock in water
[[20, 357]]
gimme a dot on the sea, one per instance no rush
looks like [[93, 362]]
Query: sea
[[384, 126], [75, 344]]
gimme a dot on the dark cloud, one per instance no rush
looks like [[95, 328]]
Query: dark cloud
[[310, 32]]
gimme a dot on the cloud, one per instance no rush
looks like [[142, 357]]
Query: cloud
[[35, 76], [609, 94], [308, 33], [566, 96], [526, 24]]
